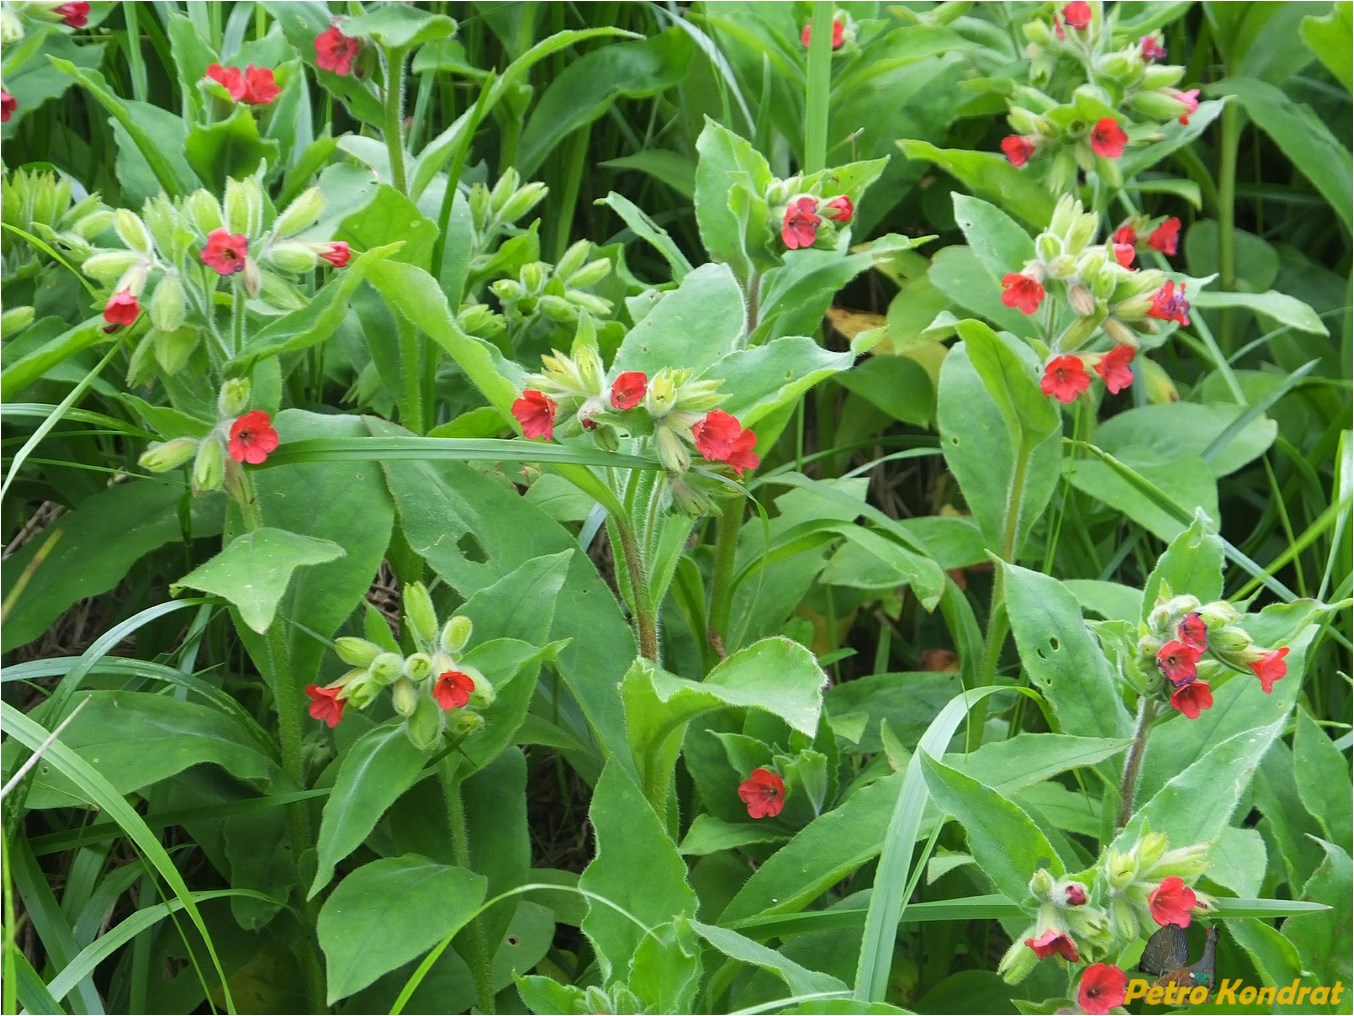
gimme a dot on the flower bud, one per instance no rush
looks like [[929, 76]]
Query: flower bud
[[606, 438], [1229, 642], [294, 258], [672, 450], [251, 280], [590, 302], [169, 304], [1218, 614], [523, 201], [1167, 614], [14, 320], [204, 211], [419, 667], [244, 206], [572, 259], [109, 265], [233, 401], [386, 668], [209, 468], [89, 226], [301, 213], [1062, 267], [1124, 919], [362, 689], [461, 723], [1020, 960], [1121, 869], [504, 189], [1081, 300], [478, 319], [162, 456], [1048, 246], [533, 276], [1041, 884], [662, 393], [404, 696], [1160, 387], [479, 207], [1081, 233], [419, 612], [558, 309], [1161, 76], [508, 291], [591, 273], [1149, 850], [11, 28], [483, 696], [456, 634], [354, 651], [423, 726], [132, 231], [1187, 863]]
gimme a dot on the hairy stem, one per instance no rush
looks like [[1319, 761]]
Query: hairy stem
[[394, 116], [481, 961], [1147, 712], [721, 582]]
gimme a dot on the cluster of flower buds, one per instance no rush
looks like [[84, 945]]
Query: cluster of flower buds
[[17, 17], [1115, 90], [494, 211], [1188, 644], [843, 32], [41, 203], [556, 293], [436, 693], [806, 220], [1103, 290], [237, 439], [254, 86]]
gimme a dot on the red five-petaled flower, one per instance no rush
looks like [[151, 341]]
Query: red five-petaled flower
[[335, 51], [228, 78], [838, 33], [453, 688], [8, 104], [1192, 699], [1124, 254], [1023, 292], [1103, 987], [337, 254], [325, 704], [1065, 378], [799, 228], [1166, 237], [840, 209], [1077, 14], [1270, 668], [1171, 902], [121, 308], [721, 438], [1168, 305], [74, 15], [1053, 943], [1108, 138], [252, 438], [628, 389], [1178, 661], [1192, 631], [1017, 149], [535, 411], [1124, 234], [764, 793], [1113, 367], [259, 86], [1151, 49], [225, 251]]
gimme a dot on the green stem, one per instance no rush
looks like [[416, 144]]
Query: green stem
[[818, 87], [721, 581], [1147, 712], [645, 619], [1227, 159], [481, 965], [237, 319], [394, 116]]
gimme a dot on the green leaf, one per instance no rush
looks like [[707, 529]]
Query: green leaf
[[19, 374], [1280, 308], [692, 326], [371, 226], [666, 970], [373, 772], [646, 229], [726, 164], [672, 168], [1238, 861], [512, 666], [1177, 136], [495, 803], [898, 385], [626, 828], [800, 980], [400, 26], [253, 570], [1332, 40], [228, 148], [1021, 761], [760, 381], [870, 560], [387, 913], [1000, 243], [709, 835], [1191, 564], [1324, 786], [990, 176], [1182, 430], [1323, 939]]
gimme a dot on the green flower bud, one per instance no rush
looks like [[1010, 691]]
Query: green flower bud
[[1081, 301], [1156, 105], [419, 667], [1081, 233], [1218, 614], [423, 726], [590, 274], [1019, 960], [1078, 332], [294, 258], [209, 468], [89, 226], [362, 689], [461, 723], [109, 265], [204, 211], [606, 438], [244, 206], [1037, 32], [419, 612], [672, 451], [661, 395], [132, 231], [1124, 920], [590, 302], [478, 319], [1229, 642], [533, 276], [1160, 387], [504, 189], [168, 304], [234, 400], [1041, 884], [404, 696], [483, 696], [1062, 267], [386, 668], [524, 200], [1161, 76], [572, 259], [1149, 850], [1188, 863], [250, 278], [558, 309], [1121, 869], [11, 28], [300, 214], [14, 320], [162, 456], [356, 652], [456, 634], [1167, 614], [508, 291], [1119, 65], [1048, 246]]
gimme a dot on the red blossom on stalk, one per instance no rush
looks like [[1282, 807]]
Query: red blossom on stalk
[[721, 438], [1077, 14], [1113, 368], [1179, 662], [225, 251], [335, 51], [1192, 631], [337, 254], [838, 34], [840, 209], [1023, 292], [628, 389], [1017, 148], [1103, 987], [799, 228], [453, 688], [1065, 378], [1124, 253], [1168, 305], [1151, 48], [1108, 138], [1125, 234], [122, 308], [73, 15], [228, 78], [260, 88], [1171, 902], [1053, 943], [1166, 237], [8, 104], [535, 411], [326, 704], [1190, 100], [252, 438], [1192, 698], [1270, 668], [763, 792]]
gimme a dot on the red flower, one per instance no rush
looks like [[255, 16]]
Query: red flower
[[1103, 987], [1108, 138], [1171, 902], [1023, 292], [1166, 237], [259, 86], [1018, 149], [252, 438], [1124, 253], [1190, 100], [764, 793], [1077, 14], [325, 704], [8, 104], [721, 438], [1125, 234], [1065, 378], [453, 689], [800, 225], [1193, 632], [628, 389], [1192, 698], [75, 15], [1113, 367], [335, 51], [1168, 305], [535, 411], [840, 209], [1178, 661], [229, 78], [225, 251], [122, 308], [1151, 49], [1053, 943], [838, 30], [337, 254], [1270, 668]]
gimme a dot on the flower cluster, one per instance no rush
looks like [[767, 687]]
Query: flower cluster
[[556, 293], [253, 85], [41, 202], [335, 51], [1105, 293], [238, 438], [1189, 644], [16, 18], [809, 221], [436, 692]]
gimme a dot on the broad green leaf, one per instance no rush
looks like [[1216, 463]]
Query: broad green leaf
[[374, 771], [253, 570], [1323, 939], [1138, 159], [399, 26], [709, 835], [799, 979], [958, 274], [1000, 243], [666, 970], [261, 862], [512, 667], [648, 230], [1061, 656], [1275, 958], [760, 381], [626, 828], [692, 326], [1237, 861], [990, 176], [1332, 40], [228, 148], [1279, 308], [1026, 759], [22, 372], [389, 912], [1111, 600], [896, 384], [672, 168], [870, 560], [495, 803], [1324, 783], [371, 226], [1191, 564]]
